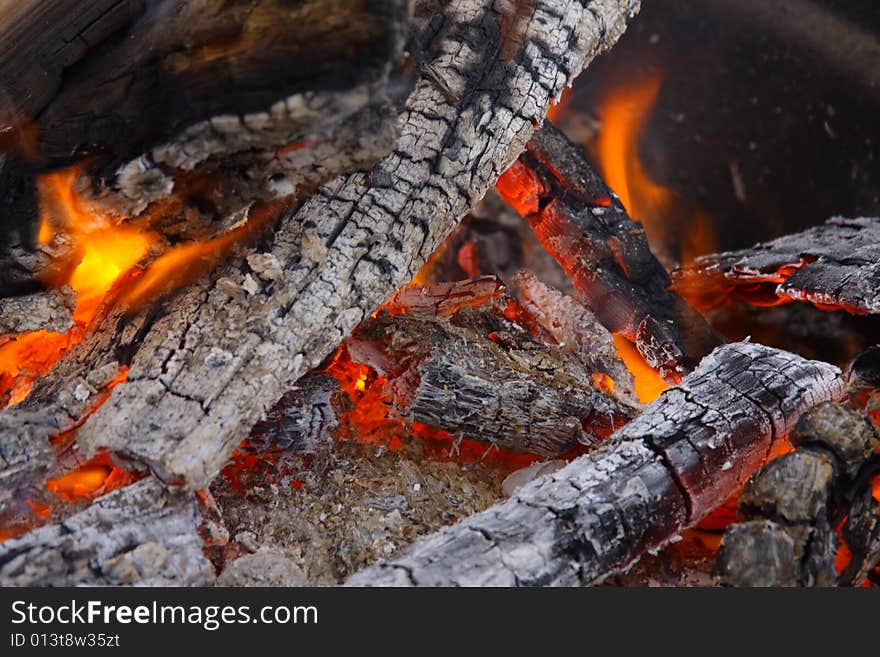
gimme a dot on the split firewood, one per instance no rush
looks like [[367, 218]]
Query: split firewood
[[454, 360], [207, 364], [835, 266], [585, 227], [662, 472], [794, 503], [141, 534]]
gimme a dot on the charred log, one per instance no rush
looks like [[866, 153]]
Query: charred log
[[576, 329], [793, 504], [153, 87], [585, 227], [834, 266], [664, 471], [454, 361], [140, 534], [201, 374]]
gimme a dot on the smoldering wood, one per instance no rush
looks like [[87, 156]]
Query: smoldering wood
[[585, 227], [140, 534], [792, 489], [304, 420], [758, 553], [848, 435], [662, 472], [476, 374], [577, 329], [861, 531], [787, 539], [154, 86], [834, 266], [804, 494], [206, 365], [49, 310]]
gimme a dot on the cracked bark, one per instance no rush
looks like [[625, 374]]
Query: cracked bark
[[663, 472], [582, 223], [457, 357], [202, 373], [834, 266], [141, 534]]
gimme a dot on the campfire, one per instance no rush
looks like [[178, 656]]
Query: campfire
[[437, 305]]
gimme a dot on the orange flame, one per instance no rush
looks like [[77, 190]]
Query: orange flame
[[624, 113], [105, 248], [648, 383], [103, 251], [91, 479]]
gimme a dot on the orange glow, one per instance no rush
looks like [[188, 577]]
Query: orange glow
[[559, 106], [624, 113], [25, 358], [603, 382], [80, 484], [648, 383], [520, 188], [102, 251], [183, 264], [91, 479]]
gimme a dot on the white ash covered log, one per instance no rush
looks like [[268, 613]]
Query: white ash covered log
[[140, 534], [835, 266], [583, 224], [663, 472], [206, 365]]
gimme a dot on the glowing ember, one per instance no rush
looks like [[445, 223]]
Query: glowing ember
[[95, 477], [648, 384]]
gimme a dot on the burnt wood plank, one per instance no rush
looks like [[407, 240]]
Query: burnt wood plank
[[140, 534], [460, 362]]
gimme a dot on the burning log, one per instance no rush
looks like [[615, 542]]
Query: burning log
[[454, 361], [661, 473], [833, 266], [204, 368], [792, 506], [585, 227], [155, 88], [141, 534]]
